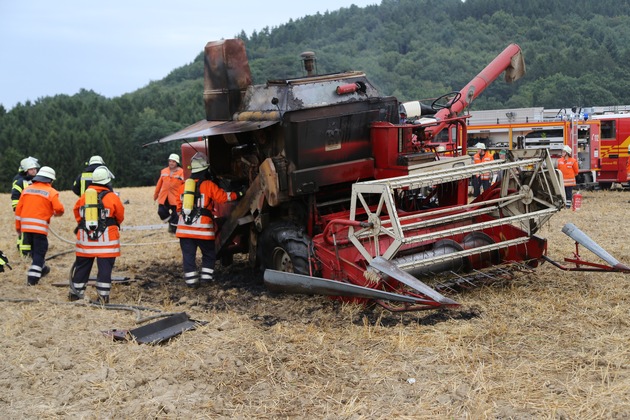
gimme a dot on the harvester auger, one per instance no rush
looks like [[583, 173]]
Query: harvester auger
[[386, 245]]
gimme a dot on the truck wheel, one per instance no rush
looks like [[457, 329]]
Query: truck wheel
[[284, 247]]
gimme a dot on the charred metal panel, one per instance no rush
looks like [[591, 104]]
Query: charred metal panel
[[311, 92], [226, 78], [334, 134], [310, 180], [205, 128]]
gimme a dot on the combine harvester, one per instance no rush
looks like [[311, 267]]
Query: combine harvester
[[344, 198]]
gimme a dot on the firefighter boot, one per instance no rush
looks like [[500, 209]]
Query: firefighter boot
[[101, 300], [74, 297]]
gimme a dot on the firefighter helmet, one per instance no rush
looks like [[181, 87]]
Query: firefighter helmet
[[198, 163], [28, 163], [567, 149], [481, 146], [102, 176], [45, 174], [96, 160], [174, 157]]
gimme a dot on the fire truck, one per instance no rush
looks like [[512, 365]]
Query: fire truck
[[537, 128], [615, 144]]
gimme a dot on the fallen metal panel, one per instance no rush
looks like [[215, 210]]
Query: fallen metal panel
[[156, 332], [164, 329], [300, 284], [205, 128]]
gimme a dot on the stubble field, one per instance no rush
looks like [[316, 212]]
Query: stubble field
[[548, 344]]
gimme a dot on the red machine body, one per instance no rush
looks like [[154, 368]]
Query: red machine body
[[343, 198]]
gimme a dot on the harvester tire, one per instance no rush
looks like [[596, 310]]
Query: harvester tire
[[285, 247]]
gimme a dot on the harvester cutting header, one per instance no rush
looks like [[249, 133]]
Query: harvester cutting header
[[345, 198]]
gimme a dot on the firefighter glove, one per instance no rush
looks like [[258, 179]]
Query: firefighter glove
[[4, 260]]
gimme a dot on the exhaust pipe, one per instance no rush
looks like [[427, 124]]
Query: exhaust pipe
[[226, 78]]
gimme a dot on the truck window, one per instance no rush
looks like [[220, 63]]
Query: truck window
[[608, 129], [545, 134]]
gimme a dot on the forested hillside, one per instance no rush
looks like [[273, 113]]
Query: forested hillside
[[576, 54]]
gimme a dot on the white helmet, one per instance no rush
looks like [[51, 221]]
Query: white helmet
[[440, 148], [198, 163], [102, 176], [567, 149], [96, 160], [28, 163], [481, 146], [174, 156], [45, 174]]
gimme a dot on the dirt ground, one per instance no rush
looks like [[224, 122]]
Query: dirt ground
[[548, 344]]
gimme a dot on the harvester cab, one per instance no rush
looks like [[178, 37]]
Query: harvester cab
[[344, 198]]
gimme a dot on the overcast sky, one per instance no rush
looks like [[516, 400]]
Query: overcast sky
[[50, 47]]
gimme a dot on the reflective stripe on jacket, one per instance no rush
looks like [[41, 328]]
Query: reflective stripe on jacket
[[37, 204], [84, 180], [203, 226], [108, 243], [168, 185], [19, 183]]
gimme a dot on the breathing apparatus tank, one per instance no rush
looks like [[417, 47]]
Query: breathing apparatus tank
[[190, 186], [91, 209]]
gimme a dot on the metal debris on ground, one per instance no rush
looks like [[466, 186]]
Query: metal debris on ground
[[157, 332]]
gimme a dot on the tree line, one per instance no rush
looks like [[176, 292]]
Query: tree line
[[575, 52]]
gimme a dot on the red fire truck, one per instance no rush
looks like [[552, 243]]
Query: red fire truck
[[615, 148], [537, 128]]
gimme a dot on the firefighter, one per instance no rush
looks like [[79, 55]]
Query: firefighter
[[195, 228], [99, 213], [482, 180], [27, 170], [38, 203], [85, 179], [167, 191], [569, 168]]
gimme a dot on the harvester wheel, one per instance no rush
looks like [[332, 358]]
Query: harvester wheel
[[284, 247]]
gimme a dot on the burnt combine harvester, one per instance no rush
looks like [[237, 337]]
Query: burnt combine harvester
[[345, 199]]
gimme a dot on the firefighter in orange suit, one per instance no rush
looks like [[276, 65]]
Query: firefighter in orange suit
[[569, 168], [27, 171], [167, 191], [195, 228], [482, 180], [38, 203], [101, 242]]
